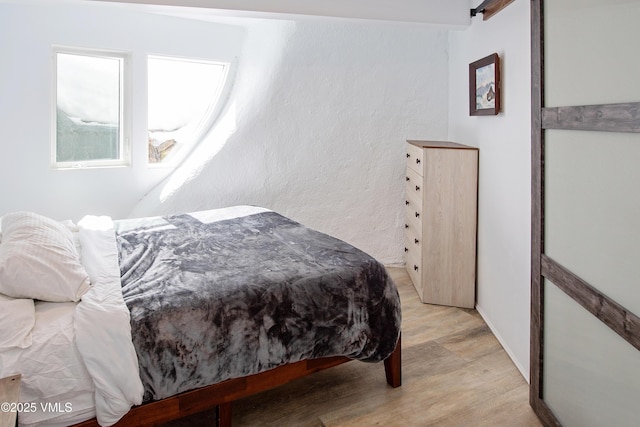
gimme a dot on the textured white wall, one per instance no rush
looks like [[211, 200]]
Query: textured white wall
[[314, 126], [504, 206], [27, 33]]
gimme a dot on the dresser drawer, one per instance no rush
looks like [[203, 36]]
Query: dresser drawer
[[412, 241], [415, 159], [414, 268], [414, 187], [413, 214]]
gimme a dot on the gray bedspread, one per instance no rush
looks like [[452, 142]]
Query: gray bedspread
[[220, 300]]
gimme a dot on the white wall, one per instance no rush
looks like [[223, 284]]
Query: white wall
[[28, 32], [505, 168], [319, 117], [314, 127]]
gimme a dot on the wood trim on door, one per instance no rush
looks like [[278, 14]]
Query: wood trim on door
[[536, 401], [614, 315], [537, 234], [608, 117]]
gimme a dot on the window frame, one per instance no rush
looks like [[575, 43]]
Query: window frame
[[125, 129]]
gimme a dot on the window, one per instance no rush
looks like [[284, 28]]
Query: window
[[182, 99], [90, 124]]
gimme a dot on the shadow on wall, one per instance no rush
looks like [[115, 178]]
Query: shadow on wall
[[315, 128], [258, 65], [222, 131]]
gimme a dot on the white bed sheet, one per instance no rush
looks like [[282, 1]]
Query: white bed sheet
[[102, 325], [82, 362], [52, 368]]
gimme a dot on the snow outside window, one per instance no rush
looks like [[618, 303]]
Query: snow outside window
[[89, 121], [182, 98]]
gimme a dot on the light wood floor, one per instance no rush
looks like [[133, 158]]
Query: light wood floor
[[455, 373]]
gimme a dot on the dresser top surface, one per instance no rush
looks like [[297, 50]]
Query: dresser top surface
[[440, 144]]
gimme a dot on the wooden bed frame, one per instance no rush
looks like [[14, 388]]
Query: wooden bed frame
[[222, 395]]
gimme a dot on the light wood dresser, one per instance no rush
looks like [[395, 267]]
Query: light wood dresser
[[441, 221]]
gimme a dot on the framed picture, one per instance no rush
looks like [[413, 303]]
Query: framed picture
[[484, 86]]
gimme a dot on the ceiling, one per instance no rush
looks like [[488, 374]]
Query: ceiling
[[449, 13]]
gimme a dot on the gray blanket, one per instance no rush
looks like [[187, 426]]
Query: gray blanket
[[210, 302]]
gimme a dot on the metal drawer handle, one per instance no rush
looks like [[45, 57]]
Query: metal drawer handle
[[417, 161], [408, 179], [408, 155], [416, 241], [417, 215], [417, 188], [415, 267], [406, 226], [406, 249], [406, 202]]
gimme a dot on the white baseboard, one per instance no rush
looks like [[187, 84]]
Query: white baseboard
[[523, 372]]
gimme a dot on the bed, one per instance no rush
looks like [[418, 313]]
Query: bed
[[142, 321]]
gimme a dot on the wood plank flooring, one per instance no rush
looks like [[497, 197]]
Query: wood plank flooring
[[455, 373]]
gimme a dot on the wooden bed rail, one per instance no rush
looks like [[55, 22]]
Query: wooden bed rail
[[221, 395]]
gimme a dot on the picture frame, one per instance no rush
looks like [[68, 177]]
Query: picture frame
[[484, 86]]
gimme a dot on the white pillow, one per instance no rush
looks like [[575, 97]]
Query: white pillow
[[17, 317], [38, 260]]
